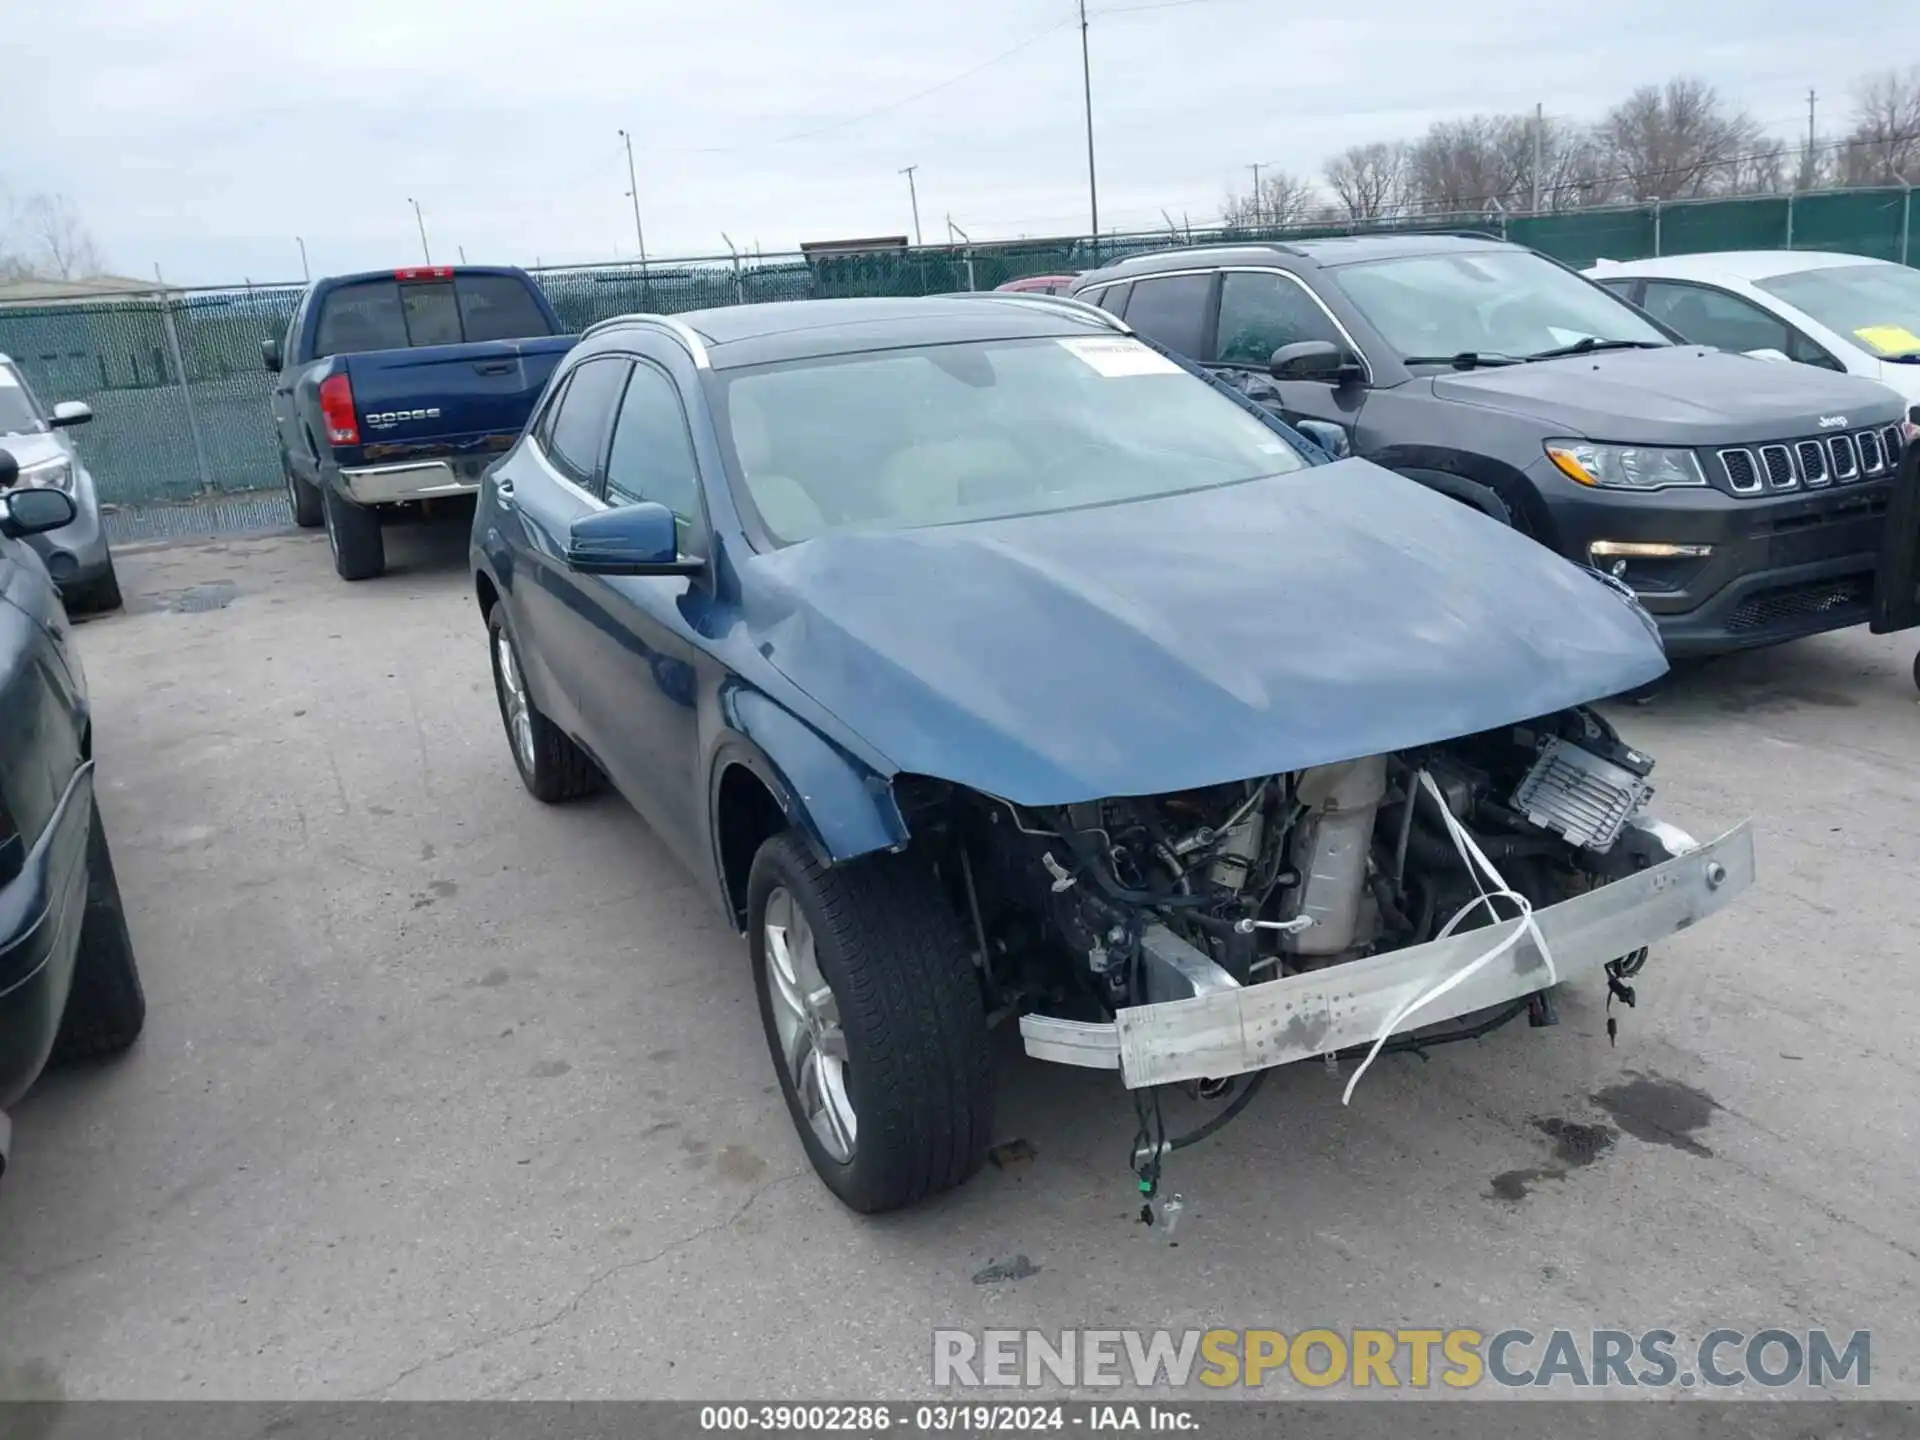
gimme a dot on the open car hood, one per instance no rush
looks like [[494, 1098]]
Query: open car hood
[[1162, 645]]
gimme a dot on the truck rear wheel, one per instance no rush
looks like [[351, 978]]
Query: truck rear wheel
[[874, 1016], [106, 1008], [303, 499], [353, 533]]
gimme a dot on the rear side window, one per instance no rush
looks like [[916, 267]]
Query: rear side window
[[578, 431], [389, 315], [1260, 312], [1172, 312], [1116, 297]]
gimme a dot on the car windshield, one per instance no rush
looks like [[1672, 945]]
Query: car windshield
[[897, 439], [1877, 304], [17, 415], [1499, 303]]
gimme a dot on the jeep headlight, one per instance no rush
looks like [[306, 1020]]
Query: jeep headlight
[[1624, 467], [58, 474]]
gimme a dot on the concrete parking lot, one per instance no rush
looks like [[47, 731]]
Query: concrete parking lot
[[447, 1093]]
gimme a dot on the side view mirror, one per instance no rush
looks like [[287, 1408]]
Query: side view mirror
[[1314, 360], [9, 470], [637, 539], [35, 509], [71, 412], [270, 353], [1769, 353], [1328, 436]]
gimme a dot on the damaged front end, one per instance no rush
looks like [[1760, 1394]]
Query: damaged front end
[[1427, 894]]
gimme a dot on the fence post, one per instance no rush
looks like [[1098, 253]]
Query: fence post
[[1656, 229], [1789, 220], [1906, 218], [186, 390]]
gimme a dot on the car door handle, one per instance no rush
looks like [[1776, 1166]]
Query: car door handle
[[503, 491], [493, 367]]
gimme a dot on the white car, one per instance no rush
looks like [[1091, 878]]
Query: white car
[[1841, 312], [76, 555]]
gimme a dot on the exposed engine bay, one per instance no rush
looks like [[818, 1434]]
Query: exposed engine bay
[[1289, 873], [1203, 938], [1113, 908]]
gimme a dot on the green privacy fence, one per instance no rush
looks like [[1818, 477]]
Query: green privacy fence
[[181, 402]]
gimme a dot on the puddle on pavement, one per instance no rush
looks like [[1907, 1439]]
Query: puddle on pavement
[[195, 599]]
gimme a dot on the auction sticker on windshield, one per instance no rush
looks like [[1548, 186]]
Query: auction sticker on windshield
[[1117, 358], [1890, 339]]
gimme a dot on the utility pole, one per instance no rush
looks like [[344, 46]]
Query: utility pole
[[1086, 84], [633, 194], [1256, 196], [305, 274], [422, 220], [914, 195], [1539, 126]]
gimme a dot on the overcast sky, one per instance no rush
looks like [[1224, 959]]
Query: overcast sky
[[206, 134]]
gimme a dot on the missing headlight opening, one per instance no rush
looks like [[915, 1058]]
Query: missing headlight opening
[[1113, 926]]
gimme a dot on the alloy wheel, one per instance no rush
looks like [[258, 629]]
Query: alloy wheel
[[806, 1016]]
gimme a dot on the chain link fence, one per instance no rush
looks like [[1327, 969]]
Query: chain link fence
[[180, 398]]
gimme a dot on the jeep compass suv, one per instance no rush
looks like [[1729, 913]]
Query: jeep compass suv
[[1742, 500]]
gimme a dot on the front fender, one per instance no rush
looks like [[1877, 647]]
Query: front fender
[[843, 808], [1482, 497]]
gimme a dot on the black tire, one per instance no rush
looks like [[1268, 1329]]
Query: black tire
[[1916, 670], [557, 769], [309, 511], [918, 1063], [106, 1008], [97, 596], [353, 532]]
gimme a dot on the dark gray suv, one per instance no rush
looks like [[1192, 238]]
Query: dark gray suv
[[1744, 501]]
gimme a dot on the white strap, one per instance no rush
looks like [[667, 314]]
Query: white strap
[[1474, 857]]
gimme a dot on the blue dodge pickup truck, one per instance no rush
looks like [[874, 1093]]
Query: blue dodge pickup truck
[[397, 388]]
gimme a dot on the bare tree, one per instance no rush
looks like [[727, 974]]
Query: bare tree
[[1470, 165], [1883, 147], [1816, 164], [1676, 141], [43, 238], [1284, 200], [1768, 168], [1369, 180], [55, 240], [1574, 169]]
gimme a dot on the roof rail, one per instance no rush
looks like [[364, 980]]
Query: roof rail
[[1067, 304], [679, 329], [1211, 247]]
